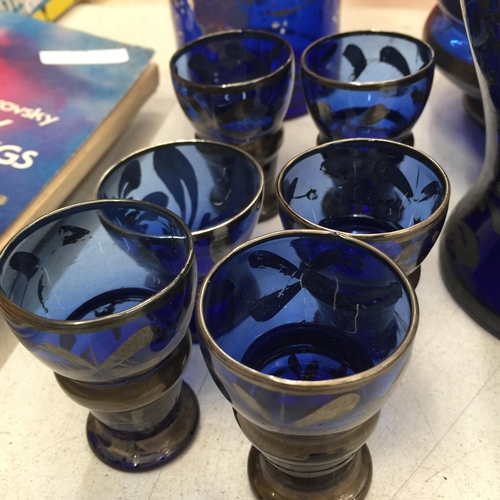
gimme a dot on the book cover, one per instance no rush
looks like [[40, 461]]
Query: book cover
[[65, 96]]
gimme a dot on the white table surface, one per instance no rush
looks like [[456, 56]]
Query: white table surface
[[439, 434]]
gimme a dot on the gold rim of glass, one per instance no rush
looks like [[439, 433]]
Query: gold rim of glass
[[208, 232], [223, 88], [398, 235], [374, 85], [32, 320]]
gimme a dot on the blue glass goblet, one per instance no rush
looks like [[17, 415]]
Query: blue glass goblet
[[235, 87], [307, 333], [367, 84], [382, 192], [102, 293], [215, 188]]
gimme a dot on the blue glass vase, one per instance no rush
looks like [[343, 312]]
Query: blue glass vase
[[470, 246], [300, 22]]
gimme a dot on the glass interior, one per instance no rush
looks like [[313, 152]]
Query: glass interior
[[367, 57], [93, 261], [205, 184], [363, 189], [232, 58], [307, 307]]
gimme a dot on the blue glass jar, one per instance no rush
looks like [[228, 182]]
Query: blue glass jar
[[300, 22], [102, 293], [367, 84], [306, 333], [382, 192]]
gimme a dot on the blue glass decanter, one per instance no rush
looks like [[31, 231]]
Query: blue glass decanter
[[470, 247]]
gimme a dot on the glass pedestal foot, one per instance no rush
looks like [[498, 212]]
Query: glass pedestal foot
[[134, 451], [351, 481]]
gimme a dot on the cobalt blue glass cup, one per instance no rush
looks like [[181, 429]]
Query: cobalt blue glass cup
[[215, 188], [445, 32], [102, 293], [307, 333], [382, 192], [297, 21], [235, 87], [367, 84]]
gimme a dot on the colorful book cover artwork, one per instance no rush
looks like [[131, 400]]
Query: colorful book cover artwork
[[57, 85]]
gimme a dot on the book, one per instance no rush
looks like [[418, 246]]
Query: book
[[65, 97], [53, 9]]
